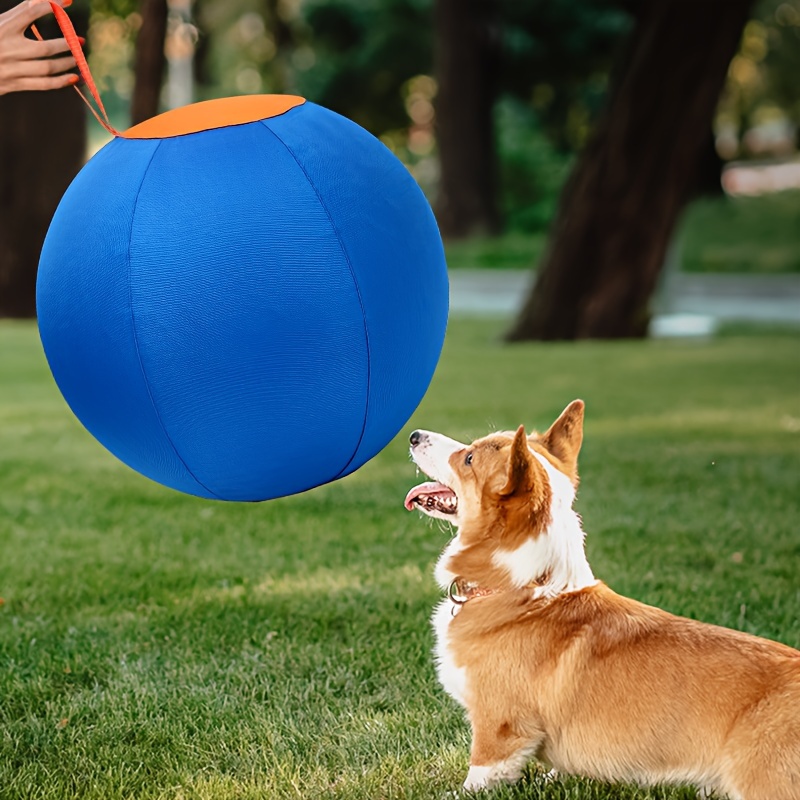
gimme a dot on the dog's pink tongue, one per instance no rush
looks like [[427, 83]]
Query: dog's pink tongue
[[431, 487]]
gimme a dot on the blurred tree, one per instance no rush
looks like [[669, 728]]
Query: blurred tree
[[556, 58], [42, 147], [112, 36], [553, 75], [114, 8], [782, 59], [247, 46], [761, 102], [282, 33], [619, 206], [467, 50], [356, 57], [488, 50], [532, 168], [150, 60]]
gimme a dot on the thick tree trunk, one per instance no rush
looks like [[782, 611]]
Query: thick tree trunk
[[42, 148], [466, 60], [150, 61], [620, 205]]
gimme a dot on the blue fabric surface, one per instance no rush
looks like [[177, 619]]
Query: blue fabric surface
[[83, 304], [392, 241], [246, 312]]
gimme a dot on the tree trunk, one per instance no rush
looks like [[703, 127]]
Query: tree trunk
[[42, 148], [620, 205], [466, 60], [150, 61]]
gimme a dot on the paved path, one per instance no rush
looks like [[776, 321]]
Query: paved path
[[686, 304]]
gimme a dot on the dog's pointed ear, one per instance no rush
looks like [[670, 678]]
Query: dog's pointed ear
[[564, 438], [520, 466]]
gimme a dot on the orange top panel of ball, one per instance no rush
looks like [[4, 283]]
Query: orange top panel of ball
[[211, 114]]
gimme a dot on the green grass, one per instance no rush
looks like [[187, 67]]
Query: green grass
[[510, 251], [758, 235], [159, 646], [743, 234]]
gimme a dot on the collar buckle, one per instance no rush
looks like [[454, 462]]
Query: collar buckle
[[457, 595]]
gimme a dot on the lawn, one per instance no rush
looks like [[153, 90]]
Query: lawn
[[742, 234], [720, 234], [159, 646]]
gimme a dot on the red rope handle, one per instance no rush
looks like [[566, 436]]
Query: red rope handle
[[67, 28]]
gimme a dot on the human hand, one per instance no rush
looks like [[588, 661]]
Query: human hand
[[27, 65]]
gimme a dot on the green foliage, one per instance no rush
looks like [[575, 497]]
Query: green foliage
[[154, 645], [532, 169], [782, 60], [762, 87], [557, 57], [112, 8], [742, 234], [351, 56], [365, 52], [246, 47]]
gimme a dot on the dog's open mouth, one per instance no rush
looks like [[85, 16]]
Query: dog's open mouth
[[432, 496]]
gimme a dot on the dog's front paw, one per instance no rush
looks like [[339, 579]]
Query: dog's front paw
[[480, 778]]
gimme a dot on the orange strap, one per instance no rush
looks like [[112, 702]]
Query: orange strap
[[65, 23]]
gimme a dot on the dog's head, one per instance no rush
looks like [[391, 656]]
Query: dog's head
[[502, 491]]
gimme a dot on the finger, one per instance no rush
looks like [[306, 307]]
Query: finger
[[47, 66], [25, 14], [47, 48], [39, 84]]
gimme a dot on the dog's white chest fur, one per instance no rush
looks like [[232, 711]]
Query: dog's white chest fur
[[452, 677]]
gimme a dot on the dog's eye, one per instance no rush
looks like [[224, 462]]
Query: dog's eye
[[468, 459]]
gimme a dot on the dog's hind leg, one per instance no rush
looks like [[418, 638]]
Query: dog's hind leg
[[498, 755], [763, 751], [769, 781]]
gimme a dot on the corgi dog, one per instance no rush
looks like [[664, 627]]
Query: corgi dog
[[551, 664]]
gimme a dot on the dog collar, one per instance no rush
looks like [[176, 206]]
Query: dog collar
[[460, 591]]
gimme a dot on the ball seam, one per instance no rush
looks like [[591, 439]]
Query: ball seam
[[136, 335], [346, 255]]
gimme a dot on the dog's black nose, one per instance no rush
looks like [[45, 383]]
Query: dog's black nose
[[415, 438]]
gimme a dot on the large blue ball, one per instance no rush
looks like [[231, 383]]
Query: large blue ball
[[244, 312]]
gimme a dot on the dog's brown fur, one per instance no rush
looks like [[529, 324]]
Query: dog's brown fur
[[583, 679]]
